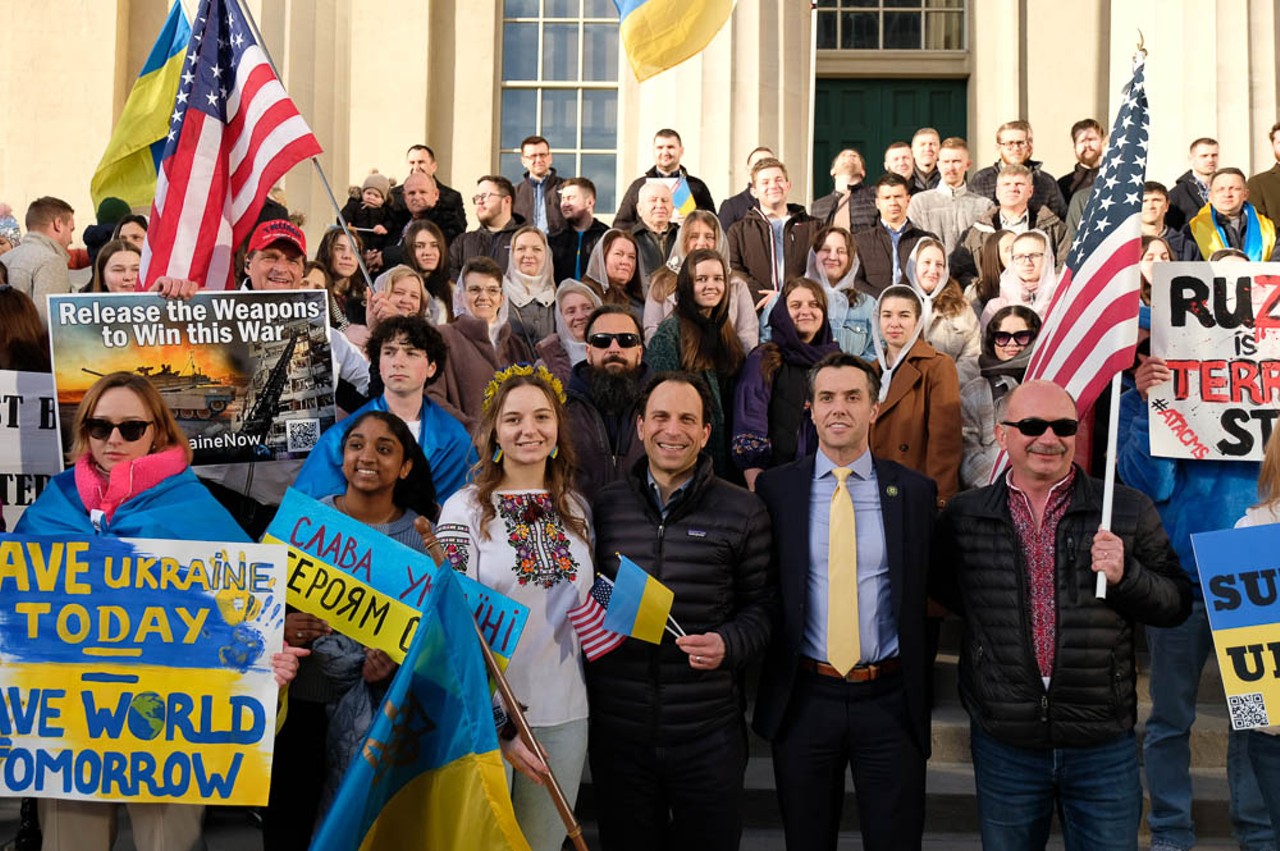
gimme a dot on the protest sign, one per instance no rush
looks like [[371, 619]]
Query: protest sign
[[249, 375], [370, 587], [29, 450], [1238, 573], [1217, 325], [138, 669]]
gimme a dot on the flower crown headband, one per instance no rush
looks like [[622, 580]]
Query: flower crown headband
[[502, 376]]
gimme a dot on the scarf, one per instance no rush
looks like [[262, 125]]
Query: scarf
[[101, 492], [795, 351], [882, 351], [1259, 238]]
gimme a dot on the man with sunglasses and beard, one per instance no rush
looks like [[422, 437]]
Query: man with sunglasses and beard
[[1046, 667], [603, 399]]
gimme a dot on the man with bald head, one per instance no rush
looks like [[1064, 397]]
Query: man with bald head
[[655, 233], [1046, 667], [447, 212], [420, 195]]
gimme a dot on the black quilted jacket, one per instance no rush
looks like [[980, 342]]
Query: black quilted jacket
[[979, 572], [713, 552]]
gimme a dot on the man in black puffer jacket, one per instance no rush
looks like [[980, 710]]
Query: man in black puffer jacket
[[1046, 668], [668, 742]]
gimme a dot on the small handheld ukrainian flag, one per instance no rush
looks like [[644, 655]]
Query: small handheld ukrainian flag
[[660, 34], [640, 605], [429, 774], [128, 167]]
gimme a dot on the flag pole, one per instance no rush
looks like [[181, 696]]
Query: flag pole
[[572, 827], [315, 161], [813, 93], [1109, 474]]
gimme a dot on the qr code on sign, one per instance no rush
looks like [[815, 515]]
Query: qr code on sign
[[303, 435], [1247, 711]]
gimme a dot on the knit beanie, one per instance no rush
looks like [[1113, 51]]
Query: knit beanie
[[112, 210], [379, 183]]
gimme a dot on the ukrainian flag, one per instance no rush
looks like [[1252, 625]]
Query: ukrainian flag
[[128, 167], [429, 775], [639, 604], [660, 34]]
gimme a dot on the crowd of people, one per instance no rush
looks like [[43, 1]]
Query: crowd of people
[[791, 419]]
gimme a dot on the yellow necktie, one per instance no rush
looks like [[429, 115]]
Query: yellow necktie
[[843, 644]]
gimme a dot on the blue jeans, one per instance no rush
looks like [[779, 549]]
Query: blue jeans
[[1178, 655], [1095, 790], [1264, 756]]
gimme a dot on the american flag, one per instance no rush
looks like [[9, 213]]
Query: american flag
[[588, 621], [234, 132], [1091, 327]]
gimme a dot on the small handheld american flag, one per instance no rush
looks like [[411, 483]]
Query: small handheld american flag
[[588, 621]]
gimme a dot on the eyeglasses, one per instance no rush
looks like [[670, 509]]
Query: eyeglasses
[[1004, 338], [1020, 143], [1034, 426], [130, 430], [484, 196], [1027, 258], [604, 341], [542, 155], [491, 292]]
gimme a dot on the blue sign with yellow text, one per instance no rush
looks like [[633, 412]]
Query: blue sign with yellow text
[[137, 669]]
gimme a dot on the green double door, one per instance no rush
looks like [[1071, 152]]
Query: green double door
[[869, 114]]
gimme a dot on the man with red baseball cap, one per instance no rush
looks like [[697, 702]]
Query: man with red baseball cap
[[277, 256]]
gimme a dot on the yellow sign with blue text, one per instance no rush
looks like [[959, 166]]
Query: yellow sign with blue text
[[138, 669], [1240, 576]]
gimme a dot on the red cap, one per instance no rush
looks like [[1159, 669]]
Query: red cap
[[277, 230]]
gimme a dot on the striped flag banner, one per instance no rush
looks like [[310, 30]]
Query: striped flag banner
[[588, 621], [1090, 330], [233, 133]]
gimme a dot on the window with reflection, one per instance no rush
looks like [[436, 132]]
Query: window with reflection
[[560, 80], [891, 24]]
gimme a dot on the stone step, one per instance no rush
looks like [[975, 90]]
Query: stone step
[[950, 803]]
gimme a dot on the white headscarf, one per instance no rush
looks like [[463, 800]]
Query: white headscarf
[[926, 299], [577, 350], [596, 268], [521, 288], [882, 353], [1011, 287]]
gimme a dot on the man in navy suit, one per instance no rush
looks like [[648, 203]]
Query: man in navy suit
[[874, 715]]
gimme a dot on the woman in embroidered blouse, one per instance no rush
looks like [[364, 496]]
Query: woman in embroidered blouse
[[131, 478], [523, 531]]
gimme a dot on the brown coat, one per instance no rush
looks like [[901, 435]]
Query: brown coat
[[919, 421], [751, 247], [875, 258], [470, 365]]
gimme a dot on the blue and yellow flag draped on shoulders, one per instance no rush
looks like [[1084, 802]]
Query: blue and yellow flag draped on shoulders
[[660, 34], [429, 775], [128, 167]]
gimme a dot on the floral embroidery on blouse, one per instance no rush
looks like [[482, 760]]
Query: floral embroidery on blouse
[[457, 546], [537, 538]]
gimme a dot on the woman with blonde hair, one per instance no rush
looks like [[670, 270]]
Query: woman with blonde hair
[[701, 229], [130, 478], [951, 326], [530, 286], [521, 529]]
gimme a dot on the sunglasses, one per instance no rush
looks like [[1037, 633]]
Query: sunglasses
[[1034, 426], [1004, 338], [130, 430], [603, 340]]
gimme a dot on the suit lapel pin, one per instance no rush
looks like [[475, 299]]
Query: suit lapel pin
[[891, 490]]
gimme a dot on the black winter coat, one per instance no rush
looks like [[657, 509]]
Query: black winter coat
[[979, 573], [600, 461], [713, 551]]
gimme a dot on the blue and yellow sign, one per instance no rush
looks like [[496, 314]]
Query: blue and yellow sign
[[138, 669], [1238, 572], [370, 587]]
